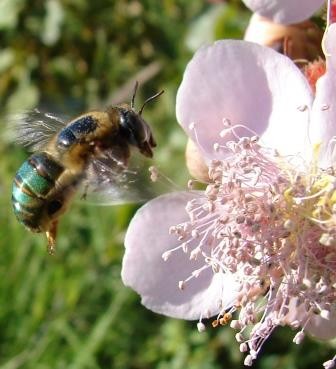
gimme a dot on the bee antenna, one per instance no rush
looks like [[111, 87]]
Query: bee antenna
[[134, 93], [150, 99]]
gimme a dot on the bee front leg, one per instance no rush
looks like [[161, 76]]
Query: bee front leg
[[51, 237]]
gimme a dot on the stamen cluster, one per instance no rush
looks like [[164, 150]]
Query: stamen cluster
[[272, 227]]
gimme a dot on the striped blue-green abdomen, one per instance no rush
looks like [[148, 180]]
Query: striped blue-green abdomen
[[32, 184]]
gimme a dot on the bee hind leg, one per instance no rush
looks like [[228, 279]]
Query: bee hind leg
[[85, 191], [51, 238]]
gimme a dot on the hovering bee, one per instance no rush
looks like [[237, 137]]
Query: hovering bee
[[91, 149]]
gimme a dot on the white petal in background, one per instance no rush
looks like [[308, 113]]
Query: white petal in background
[[317, 326], [156, 280], [323, 127], [285, 11], [263, 31], [323, 329], [248, 84]]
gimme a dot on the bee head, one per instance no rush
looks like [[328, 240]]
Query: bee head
[[135, 128], [137, 131]]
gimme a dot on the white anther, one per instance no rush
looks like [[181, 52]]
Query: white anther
[[166, 255], [184, 247], [192, 126], [254, 354], [216, 146], [201, 327], [190, 184], [248, 360], [154, 173], [243, 347], [329, 364], [298, 338], [302, 108], [239, 338], [325, 314], [181, 285], [194, 233], [226, 122], [288, 225], [306, 282]]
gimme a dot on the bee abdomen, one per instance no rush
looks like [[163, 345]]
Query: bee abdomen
[[75, 131], [32, 183]]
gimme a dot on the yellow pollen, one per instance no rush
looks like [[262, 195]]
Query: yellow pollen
[[215, 323]]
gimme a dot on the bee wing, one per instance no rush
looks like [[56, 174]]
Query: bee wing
[[109, 181], [34, 129]]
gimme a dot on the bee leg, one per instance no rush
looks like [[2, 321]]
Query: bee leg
[[85, 191], [51, 238]]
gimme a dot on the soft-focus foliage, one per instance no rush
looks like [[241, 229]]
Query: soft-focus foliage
[[71, 310]]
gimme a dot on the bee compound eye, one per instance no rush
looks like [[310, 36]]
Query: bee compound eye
[[54, 206]]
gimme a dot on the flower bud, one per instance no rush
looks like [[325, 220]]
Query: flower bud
[[297, 41], [195, 162]]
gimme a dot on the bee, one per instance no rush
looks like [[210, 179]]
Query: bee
[[90, 150]]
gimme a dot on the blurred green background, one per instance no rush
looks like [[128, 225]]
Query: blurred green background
[[71, 310]]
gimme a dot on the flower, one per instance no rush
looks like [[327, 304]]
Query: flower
[[301, 41], [285, 11], [259, 244]]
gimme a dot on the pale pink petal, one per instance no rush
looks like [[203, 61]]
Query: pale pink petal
[[247, 84], [157, 280], [316, 325], [321, 328], [285, 11], [323, 127], [265, 32]]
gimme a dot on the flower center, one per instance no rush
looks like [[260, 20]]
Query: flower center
[[271, 226], [313, 71]]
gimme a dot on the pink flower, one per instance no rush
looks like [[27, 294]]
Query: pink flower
[[300, 41], [283, 26], [285, 11], [259, 243]]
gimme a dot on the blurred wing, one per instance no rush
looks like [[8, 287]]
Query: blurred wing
[[34, 129], [109, 181]]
